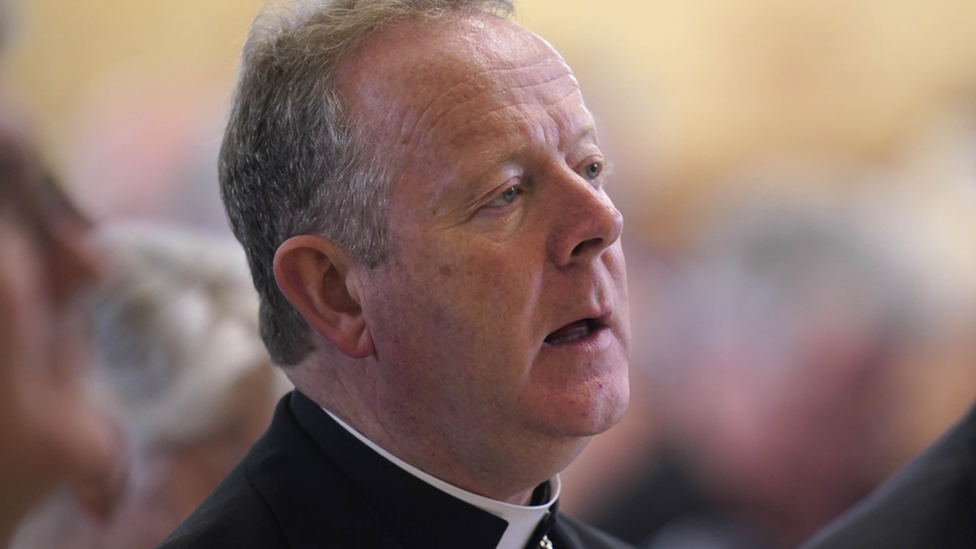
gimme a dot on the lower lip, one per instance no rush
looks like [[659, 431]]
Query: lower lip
[[597, 340]]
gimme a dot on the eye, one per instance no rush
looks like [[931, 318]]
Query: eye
[[505, 198], [592, 170]]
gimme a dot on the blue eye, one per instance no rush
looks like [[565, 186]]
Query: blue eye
[[506, 197], [592, 170]]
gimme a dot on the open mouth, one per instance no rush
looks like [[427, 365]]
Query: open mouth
[[575, 331]]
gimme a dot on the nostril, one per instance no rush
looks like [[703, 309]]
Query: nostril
[[582, 247], [588, 225]]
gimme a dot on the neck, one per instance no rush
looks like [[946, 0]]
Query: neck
[[508, 474], [430, 479]]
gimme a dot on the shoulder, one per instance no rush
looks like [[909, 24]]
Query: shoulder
[[570, 533], [237, 513], [931, 503], [286, 492]]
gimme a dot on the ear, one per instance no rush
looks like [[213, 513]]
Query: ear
[[322, 282]]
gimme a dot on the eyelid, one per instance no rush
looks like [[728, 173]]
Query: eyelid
[[492, 198], [600, 178], [500, 195]]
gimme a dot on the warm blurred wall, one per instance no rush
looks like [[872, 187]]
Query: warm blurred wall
[[62, 49], [688, 90], [697, 88]]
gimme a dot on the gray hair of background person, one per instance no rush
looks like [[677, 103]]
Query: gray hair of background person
[[176, 324], [772, 357], [292, 162]]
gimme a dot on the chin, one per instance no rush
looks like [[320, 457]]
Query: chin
[[608, 397], [593, 409], [611, 406]]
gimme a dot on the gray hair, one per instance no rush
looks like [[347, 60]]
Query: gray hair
[[292, 162]]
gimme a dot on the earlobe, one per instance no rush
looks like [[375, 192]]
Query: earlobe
[[321, 282]]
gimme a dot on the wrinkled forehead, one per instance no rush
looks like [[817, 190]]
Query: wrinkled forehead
[[415, 70]]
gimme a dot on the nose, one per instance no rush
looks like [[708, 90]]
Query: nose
[[588, 222]]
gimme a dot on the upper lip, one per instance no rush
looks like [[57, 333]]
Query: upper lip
[[600, 321]]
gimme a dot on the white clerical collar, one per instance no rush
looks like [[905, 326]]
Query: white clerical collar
[[522, 519]]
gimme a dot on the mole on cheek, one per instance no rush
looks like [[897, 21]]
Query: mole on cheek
[[445, 270]]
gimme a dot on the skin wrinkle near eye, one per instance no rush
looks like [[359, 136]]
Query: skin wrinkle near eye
[[596, 184], [501, 158], [498, 159], [604, 179], [469, 212]]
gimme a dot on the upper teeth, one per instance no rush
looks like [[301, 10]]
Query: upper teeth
[[577, 334]]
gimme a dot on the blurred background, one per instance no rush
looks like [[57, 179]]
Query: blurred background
[[798, 181]]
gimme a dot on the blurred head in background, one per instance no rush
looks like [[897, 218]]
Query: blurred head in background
[[176, 322], [50, 429], [772, 361]]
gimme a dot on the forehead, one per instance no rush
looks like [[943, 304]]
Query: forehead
[[423, 60], [478, 86], [412, 77]]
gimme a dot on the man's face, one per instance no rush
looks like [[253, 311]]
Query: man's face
[[500, 324]]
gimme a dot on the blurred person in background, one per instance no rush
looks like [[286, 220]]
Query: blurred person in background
[[930, 503], [51, 431], [772, 356], [176, 323]]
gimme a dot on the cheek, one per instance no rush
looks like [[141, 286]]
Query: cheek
[[617, 268], [24, 327], [43, 393], [458, 305], [486, 275], [8, 335], [25, 317]]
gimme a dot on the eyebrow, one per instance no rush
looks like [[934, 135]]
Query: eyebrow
[[496, 158], [587, 129]]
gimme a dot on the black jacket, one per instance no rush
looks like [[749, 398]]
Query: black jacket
[[309, 484], [930, 504]]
